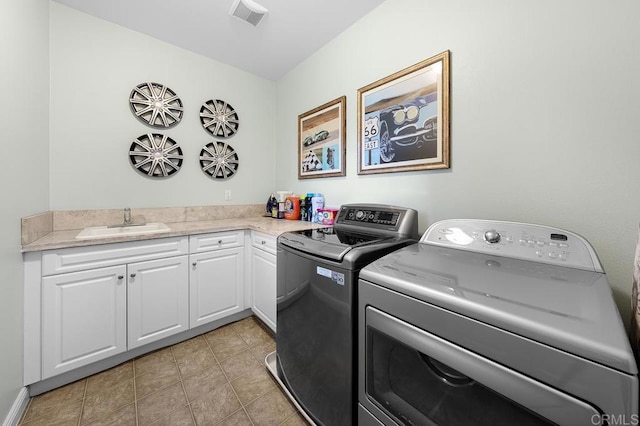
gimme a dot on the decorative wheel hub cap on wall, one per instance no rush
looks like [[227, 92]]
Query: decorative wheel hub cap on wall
[[219, 160], [155, 155], [219, 118], [156, 105]]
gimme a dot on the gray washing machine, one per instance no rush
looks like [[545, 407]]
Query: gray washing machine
[[317, 295], [492, 323]]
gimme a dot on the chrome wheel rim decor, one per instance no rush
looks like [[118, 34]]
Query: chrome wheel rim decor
[[219, 118], [219, 160], [155, 155], [156, 105]]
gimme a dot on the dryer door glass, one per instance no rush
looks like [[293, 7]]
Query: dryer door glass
[[415, 377]]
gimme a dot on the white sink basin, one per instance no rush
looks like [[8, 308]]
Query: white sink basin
[[117, 231]]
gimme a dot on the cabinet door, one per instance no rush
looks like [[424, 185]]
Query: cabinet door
[[263, 273], [158, 299], [216, 285], [83, 318]]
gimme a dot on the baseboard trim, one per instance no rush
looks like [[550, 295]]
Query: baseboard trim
[[17, 409]]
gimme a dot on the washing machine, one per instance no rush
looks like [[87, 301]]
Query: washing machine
[[317, 294], [492, 323]]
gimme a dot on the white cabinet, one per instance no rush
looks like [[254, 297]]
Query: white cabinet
[[98, 301], [88, 304], [216, 279], [263, 277], [158, 299], [83, 318]]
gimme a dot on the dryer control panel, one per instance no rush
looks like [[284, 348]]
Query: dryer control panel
[[537, 243]]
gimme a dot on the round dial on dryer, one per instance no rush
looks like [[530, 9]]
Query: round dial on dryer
[[360, 215], [492, 236]]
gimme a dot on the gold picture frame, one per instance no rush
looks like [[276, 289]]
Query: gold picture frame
[[403, 119], [321, 141]]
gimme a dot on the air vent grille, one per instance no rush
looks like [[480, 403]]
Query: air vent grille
[[248, 11]]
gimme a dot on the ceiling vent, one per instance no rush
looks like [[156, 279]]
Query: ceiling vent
[[248, 11]]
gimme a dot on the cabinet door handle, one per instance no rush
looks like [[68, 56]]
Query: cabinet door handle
[[120, 277], [219, 241], [194, 264], [133, 275], [263, 242]]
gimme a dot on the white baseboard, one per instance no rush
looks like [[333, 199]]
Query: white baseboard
[[17, 409]]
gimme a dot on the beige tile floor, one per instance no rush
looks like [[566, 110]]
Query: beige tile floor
[[217, 378]]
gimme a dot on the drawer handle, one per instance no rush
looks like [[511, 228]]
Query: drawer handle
[[194, 264], [219, 241], [120, 277], [263, 242], [133, 275]]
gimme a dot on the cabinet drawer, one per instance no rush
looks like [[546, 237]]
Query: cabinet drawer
[[215, 241], [100, 256], [264, 242]]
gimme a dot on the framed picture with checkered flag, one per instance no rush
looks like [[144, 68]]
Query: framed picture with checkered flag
[[321, 141]]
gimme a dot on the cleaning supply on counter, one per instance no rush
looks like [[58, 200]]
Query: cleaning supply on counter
[[282, 197], [303, 207], [270, 205], [327, 216], [317, 202], [274, 207], [292, 208], [309, 216]]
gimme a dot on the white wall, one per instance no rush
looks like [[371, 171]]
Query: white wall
[[544, 115], [24, 122], [94, 67]]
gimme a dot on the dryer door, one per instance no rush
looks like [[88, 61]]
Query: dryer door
[[415, 377]]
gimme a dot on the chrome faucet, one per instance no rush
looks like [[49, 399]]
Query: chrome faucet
[[127, 216]]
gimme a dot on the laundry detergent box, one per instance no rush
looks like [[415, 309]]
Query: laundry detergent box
[[327, 216]]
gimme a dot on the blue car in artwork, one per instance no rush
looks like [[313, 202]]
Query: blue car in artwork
[[408, 125]]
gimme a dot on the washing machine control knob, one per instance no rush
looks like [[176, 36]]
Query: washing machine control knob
[[492, 236]]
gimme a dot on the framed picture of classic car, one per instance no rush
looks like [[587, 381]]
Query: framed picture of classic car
[[321, 140], [403, 119]]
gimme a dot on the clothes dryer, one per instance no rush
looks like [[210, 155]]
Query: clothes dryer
[[490, 323]]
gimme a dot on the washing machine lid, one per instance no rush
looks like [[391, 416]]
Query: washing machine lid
[[563, 307], [360, 231], [328, 242]]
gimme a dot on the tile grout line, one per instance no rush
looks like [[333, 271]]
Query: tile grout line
[[159, 389], [135, 392], [229, 381], [149, 394], [84, 398], [261, 326], [184, 390], [294, 414]]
